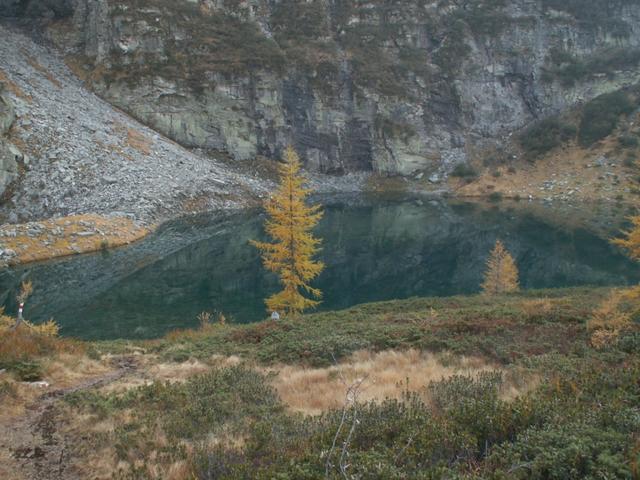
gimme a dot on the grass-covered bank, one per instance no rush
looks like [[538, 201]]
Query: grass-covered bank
[[459, 387], [503, 328]]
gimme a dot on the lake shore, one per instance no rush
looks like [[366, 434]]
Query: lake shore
[[60, 237]]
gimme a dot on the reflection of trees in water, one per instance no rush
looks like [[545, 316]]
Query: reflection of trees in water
[[372, 252]]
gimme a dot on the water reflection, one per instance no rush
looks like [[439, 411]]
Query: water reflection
[[374, 250]]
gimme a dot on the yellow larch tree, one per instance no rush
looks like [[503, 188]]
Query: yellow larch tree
[[502, 273], [291, 254], [631, 240], [615, 313]]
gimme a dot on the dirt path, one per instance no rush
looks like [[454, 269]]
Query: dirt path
[[37, 449]]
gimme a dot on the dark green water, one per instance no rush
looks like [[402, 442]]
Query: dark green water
[[374, 250]]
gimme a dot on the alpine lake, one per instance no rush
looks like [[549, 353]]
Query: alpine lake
[[375, 249]]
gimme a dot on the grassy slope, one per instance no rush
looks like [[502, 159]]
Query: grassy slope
[[503, 329], [575, 413], [589, 152]]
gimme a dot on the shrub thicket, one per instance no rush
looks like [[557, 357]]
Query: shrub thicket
[[601, 115], [569, 69], [464, 170], [546, 135]]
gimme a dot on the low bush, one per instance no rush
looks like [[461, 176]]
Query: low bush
[[628, 141], [546, 135], [570, 427], [464, 170], [601, 115], [22, 348], [23, 370], [570, 70], [495, 197]]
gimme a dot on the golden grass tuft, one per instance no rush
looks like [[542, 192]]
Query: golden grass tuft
[[388, 374], [537, 307], [34, 63], [138, 141], [177, 372], [68, 369], [613, 316], [25, 343], [14, 88]]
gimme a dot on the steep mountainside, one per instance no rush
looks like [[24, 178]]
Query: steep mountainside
[[85, 156], [383, 85], [9, 154]]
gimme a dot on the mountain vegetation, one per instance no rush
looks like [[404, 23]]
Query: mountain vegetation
[[514, 389]]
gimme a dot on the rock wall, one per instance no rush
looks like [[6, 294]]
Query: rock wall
[[383, 85], [36, 8], [9, 154]]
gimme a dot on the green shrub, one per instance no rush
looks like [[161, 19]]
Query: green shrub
[[569, 70], [26, 371], [566, 451], [628, 141], [464, 170], [594, 14], [600, 116], [546, 135]]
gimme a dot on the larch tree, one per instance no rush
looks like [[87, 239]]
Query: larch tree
[[291, 254], [501, 275], [631, 240], [616, 312]]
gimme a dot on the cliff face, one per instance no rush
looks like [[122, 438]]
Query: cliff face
[[9, 154], [385, 85]]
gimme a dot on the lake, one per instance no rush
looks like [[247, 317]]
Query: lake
[[374, 249]]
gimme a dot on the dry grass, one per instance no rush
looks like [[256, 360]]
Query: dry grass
[[109, 232], [94, 460], [572, 167], [14, 88], [97, 458], [65, 365], [537, 307], [24, 343], [15, 398], [177, 372], [34, 63], [132, 138], [67, 370], [613, 316], [388, 375], [139, 141]]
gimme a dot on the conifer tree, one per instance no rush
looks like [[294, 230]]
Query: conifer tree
[[502, 273], [291, 253], [631, 242]]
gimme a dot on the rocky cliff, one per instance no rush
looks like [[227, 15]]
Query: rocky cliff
[[88, 157], [383, 85], [9, 154]]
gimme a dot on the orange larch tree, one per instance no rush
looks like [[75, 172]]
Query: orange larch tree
[[502, 273], [291, 254]]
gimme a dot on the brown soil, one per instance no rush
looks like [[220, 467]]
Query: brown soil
[[34, 447]]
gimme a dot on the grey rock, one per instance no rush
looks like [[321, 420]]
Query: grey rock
[[489, 94], [435, 178]]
